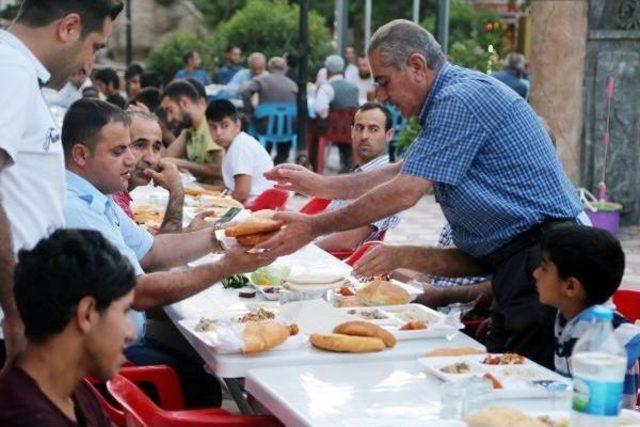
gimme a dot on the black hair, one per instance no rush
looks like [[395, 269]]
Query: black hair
[[150, 79], [179, 88], [199, 87], [132, 71], [373, 105], [85, 119], [39, 13], [151, 97], [231, 47], [292, 59], [591, 255], [52, 278], [108, 75], [220, 109], [187, 56], [90, 92]]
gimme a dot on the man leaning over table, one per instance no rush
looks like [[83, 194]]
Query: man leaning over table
[[194, 149], [99, 160], [146, 145], [492, 167], [48, 41]]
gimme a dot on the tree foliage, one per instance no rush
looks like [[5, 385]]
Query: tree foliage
[[267, 26]]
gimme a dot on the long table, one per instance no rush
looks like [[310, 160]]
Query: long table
[[391, 393]]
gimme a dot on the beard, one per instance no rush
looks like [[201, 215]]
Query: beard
[[364, 74]]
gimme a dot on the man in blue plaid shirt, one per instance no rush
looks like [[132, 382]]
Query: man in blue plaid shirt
[[493, 170]]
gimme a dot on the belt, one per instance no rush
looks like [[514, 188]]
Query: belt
[[523, 240]]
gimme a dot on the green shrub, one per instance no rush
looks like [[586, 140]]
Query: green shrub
[[270, 27], [166, 58]]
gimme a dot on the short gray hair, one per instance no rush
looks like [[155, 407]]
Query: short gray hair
[[277, 63], [138, 114], [334, 64], [256, 56], [399, 39], [515, 61]]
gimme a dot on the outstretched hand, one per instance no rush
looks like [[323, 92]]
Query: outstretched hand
[[296, 178], [298, 231], [379, 261]]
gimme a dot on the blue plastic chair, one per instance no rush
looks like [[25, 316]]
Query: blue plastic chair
[[398, 124], [280, 118]]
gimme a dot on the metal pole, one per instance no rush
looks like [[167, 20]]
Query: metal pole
[[416, 11], [303, 71], [342, 25], [128, 51], [367, 22], [442, 25]]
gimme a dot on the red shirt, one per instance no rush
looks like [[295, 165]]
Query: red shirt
[[23, 404], [123, 199]]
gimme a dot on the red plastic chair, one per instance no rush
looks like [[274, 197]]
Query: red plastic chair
[[272, 198], [627, 302], [338, 132], [140, 411], [315, 206], [162, 377]]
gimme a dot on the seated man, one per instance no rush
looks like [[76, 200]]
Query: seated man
[[146, 144], [108, 82], [371, 132], [581, 267], [74, 292], [194, 149], [99, 162], [245, 161]]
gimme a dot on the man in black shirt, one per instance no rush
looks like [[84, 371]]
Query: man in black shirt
[[74, 291]]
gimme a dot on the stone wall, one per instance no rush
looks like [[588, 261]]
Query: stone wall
[[613, 50], [150, 21]]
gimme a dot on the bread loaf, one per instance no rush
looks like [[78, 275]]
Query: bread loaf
[[366, 329], [346, 343], [261, 336], [253, 226], [381, 292]]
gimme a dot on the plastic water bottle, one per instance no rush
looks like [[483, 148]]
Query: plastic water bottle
[[598, 367]]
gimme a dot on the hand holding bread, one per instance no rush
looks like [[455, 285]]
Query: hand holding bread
[[253, 231]]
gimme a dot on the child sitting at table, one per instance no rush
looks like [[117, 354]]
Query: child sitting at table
[[582, 267], [245, 161]]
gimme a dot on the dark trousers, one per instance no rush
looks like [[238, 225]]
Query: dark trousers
[[282, 152], [200, 389], [3, 353], [519, 322]]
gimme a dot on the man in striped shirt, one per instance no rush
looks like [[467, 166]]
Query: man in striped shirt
[[371, 132]]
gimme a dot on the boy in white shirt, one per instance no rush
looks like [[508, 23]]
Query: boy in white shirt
[[245, 160]]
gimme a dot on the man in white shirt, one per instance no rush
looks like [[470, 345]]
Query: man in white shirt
[[49, 40], [70, 92], [350, 70], [245, 161], [364, 81]]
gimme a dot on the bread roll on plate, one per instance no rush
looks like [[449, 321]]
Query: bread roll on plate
[[346, 343], [262, 336], [365, 329], [381, 292]]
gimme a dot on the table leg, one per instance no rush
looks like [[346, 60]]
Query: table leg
[[234, 385]]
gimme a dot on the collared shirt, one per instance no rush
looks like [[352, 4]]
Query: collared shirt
[[67, 95], [494, 170], [225, 73], [199, 143], [325, 95], [627, 335], [87, 208], [199, 75], [123, 199], [379, 227], [445, 240], [237, 83], [32, 182]]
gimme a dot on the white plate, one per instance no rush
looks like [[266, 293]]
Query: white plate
[[395, 320], [516, 379]]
